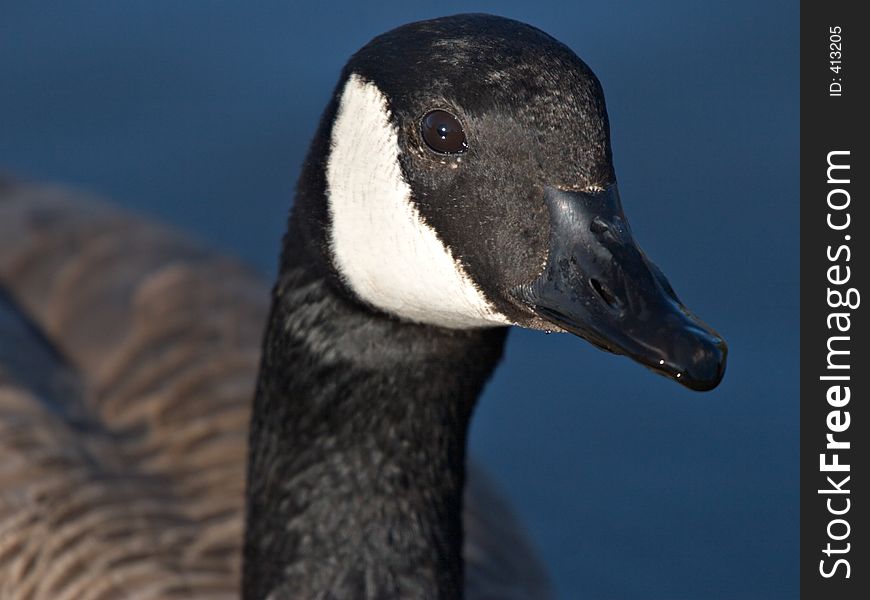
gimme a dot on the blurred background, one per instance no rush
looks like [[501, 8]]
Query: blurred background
[[200, 112]]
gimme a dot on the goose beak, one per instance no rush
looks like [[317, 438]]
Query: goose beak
[[598, 284]]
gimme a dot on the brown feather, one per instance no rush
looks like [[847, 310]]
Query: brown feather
[[128, 356]]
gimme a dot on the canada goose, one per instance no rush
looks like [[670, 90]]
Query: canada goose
[[460, 182]]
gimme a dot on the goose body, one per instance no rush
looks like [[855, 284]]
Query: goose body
[[124, 408], [460, 182]]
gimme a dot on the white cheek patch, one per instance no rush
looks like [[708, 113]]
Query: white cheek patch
[[381, 246]]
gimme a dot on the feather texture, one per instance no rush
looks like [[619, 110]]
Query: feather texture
[[128, 357]]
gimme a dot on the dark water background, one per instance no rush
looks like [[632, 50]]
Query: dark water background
[[632, 487]]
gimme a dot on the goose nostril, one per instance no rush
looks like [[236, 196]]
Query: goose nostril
[[605, 232], [599, 226], [605, 294]]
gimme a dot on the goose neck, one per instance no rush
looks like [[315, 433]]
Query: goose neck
[[358, 440]]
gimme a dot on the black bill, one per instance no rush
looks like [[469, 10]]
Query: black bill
[[599, 285]]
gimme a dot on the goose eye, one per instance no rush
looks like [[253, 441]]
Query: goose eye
[[443, 132]]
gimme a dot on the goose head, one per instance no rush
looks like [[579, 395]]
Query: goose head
[[468, 182]]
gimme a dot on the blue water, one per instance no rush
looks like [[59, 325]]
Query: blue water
[[200, 113]]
